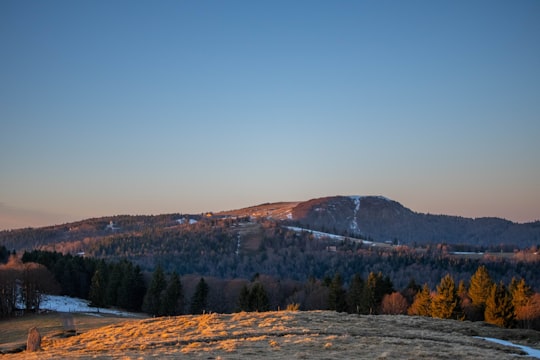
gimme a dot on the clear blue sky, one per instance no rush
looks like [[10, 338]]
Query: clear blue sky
[[148, 107]]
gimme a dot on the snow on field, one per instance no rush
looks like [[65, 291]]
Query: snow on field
[[530, 351], [69, 304]]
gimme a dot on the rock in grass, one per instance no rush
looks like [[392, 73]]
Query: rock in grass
[[33, 343]]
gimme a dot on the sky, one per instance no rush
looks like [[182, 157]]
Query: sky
[[150, 107]]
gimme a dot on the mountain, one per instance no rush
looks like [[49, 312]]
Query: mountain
[[296, 241], [384, 220], [374, 218]]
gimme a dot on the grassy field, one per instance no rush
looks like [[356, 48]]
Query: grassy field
[[14, 331], [287, 335]]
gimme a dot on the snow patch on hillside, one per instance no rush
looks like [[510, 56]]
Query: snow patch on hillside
[[73, 305], [320, 235], [530, 351], [354, 223]]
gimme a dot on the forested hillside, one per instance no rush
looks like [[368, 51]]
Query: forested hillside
[[382, 219], [239, 248]]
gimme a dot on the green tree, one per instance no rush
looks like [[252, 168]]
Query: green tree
[[124, 293], [172, 303], [479, 289], [131, 291], [152, 299], [243, 299], [97, 290], [376, 287], [258, 298], [354, 295], [199, 300], [499, 308], [445, 304], [411, 290], [421, 305], [139, 289], [115, 279], [336, 296]]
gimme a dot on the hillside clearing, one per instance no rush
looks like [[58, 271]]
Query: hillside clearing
[[294, 335]]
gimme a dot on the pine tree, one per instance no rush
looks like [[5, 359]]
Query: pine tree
[[421, 305], [479, 289], [354, 296], [139, 289], [127, 284], [411, 290], [258, 298], [172, 303], [445, 304], [499, 308], [521, 293], [97, 290], [152, 299], [200, 298], [243, 299], [336, 296], [115, 279], [376, 287], [522, 296]]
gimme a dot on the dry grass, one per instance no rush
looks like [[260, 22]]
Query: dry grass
[[13, 331], [291, 335]]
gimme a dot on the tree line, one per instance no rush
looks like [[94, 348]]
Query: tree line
[[123, 284], [22, 284], [482, 299]]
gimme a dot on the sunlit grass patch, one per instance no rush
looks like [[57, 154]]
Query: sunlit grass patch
[[228, 345], [309, 335], [273, 344], [191, 347]]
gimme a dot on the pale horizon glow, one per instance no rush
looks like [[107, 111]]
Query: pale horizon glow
[[138, 107]]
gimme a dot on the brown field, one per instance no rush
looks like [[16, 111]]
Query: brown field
[[284, 335]]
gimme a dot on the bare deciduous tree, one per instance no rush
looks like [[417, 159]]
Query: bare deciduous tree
[[394, 304]]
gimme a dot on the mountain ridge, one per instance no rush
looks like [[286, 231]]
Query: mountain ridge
[[372, 217]]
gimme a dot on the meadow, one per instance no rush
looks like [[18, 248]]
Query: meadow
[[283, 334]]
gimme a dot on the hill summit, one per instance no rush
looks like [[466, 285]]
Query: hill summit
[[384, 220]]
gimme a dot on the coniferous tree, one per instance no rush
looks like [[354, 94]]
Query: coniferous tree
[[125, 293], [172, 303], [336, 296], [469, 310], [258, 298], [115, 279], [243, 299], [376, 287], [152, 299], [199, 300], [479, 289], [462, 289], [521, 293], [139, 290], [445, 304], [499, 308], [354, 296], [97, 290], [421, 305], [132, 289], [411, 290]]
